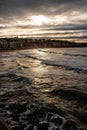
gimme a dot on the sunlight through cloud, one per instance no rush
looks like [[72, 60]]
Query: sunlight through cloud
[[39, 20]]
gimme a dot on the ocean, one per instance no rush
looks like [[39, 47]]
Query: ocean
[[44, 88]]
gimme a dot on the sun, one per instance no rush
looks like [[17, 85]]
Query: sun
[[39, 20]]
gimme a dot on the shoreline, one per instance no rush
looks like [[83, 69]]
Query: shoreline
[[9, 50], [19, 43]]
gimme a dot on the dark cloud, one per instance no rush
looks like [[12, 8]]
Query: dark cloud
[[69, 27], [20, 7], [72, 27], [12, 11], [1, 27]]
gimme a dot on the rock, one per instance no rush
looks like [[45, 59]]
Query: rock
[[16, 128], [11, 73], [57, 120], [29, 89], [43, 126], [49, 116], [81, 129], [25, 80], [3, 125], [39, 113], [70, 125], [30, 127], [57, 129]]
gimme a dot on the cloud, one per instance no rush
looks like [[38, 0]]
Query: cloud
[[71, 27], [51, 7], [64, 15]]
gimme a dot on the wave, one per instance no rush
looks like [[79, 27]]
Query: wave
[[49, 51], [68, 54], [71, 95], [16, 80], [75, 69], [5, 56], [52, 63]]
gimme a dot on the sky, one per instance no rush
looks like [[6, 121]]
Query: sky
[[44, 18]]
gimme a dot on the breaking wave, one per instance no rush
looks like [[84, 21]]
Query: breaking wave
[[75, 69], [71, 94], [68, 54], [48, 51]]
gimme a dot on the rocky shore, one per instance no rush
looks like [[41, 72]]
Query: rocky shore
[[36, 117]]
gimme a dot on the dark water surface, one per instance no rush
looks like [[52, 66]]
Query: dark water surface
[[44, 88]]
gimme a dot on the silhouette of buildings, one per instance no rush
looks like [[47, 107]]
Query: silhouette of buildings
[[22, 43]]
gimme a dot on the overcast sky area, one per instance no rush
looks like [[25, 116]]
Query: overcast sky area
[[52, 18]]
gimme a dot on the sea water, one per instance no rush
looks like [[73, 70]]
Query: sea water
[[43, 77]]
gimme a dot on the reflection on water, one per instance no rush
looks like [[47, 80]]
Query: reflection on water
[[40, 70], [45, 76]]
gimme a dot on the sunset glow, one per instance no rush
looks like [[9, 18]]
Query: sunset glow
[[44, 18], [39, 20]]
